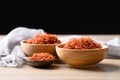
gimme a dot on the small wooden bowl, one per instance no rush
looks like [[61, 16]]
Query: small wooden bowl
[[29, 49], [40, 64], [81, 58]]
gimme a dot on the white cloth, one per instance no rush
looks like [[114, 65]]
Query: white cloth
[[12, 61], [10, 45], [114, 47]]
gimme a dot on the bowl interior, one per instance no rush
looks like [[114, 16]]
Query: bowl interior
[[60, 46]]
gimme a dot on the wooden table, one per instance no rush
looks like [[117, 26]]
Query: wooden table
[[108, 69]]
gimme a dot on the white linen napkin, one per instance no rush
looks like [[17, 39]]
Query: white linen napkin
[[11, 54], [114, 47]]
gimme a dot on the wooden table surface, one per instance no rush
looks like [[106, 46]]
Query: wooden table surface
[[108, 69]]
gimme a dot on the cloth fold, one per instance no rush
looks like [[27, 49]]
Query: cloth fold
[[10, 45], [114, 47]]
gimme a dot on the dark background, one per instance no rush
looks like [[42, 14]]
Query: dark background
[[60, 17]]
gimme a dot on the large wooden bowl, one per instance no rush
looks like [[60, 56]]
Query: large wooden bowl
[[29, 49], [81, 58]]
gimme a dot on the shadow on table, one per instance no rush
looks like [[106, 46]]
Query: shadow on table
[[101, 67], [112, 57], [51, 67]]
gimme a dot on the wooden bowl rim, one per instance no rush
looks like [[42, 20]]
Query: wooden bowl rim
[[59, 46], [23, 42]]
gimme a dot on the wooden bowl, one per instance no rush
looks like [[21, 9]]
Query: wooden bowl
[[40, 64], [81, 58], [29, 49]]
